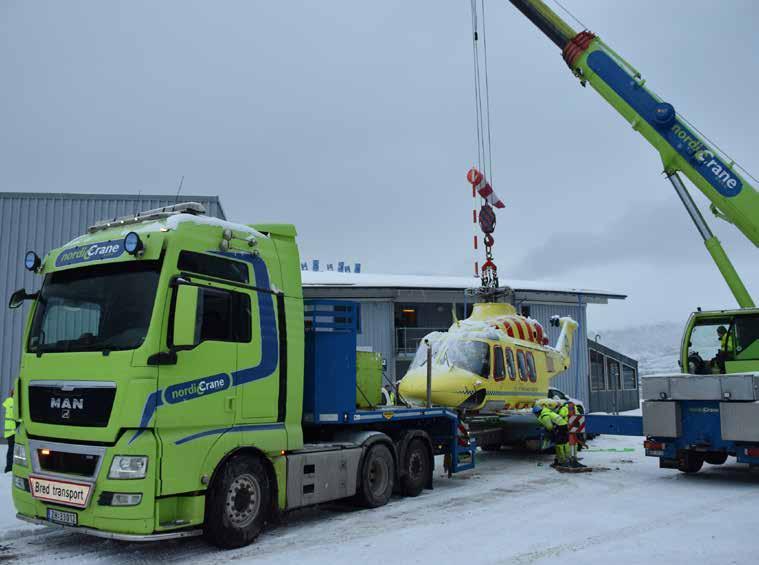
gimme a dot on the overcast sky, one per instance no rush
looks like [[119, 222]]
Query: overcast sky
[[355, 121]]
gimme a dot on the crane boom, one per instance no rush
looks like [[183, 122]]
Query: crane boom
[[681, 147]]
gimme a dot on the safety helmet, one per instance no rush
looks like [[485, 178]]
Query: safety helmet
[[537, 409]]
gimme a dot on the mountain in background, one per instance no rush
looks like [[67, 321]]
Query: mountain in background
[[656, 347]]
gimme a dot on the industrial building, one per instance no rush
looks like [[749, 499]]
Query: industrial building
[[43, 221], [397, 311]]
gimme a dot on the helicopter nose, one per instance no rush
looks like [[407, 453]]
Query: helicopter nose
[[414, 385]]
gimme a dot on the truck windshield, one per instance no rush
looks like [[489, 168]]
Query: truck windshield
[[106, 307]]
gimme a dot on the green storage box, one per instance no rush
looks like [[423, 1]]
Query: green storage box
[[368, 379]]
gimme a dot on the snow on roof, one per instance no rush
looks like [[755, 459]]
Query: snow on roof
[[372, 280], [174, 220]]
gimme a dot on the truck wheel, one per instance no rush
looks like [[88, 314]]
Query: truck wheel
[[237, 504], [377, 477], [716, 457], [416, 468], [689, 462]]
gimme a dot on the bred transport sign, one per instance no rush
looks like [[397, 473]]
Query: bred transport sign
[[61, 492]]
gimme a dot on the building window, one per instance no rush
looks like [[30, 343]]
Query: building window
[[355, 309], [612, 368], [597, 381], [629, 377], [213, 266], [522, 366], [499, 371], [407, 317], [510, 364]]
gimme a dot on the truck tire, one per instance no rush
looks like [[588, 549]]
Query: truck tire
[[416, 468], [238, 503], [716, 457], [377, 477], [689, 462]]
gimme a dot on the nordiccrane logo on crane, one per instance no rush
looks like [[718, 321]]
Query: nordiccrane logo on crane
[[710, 166]]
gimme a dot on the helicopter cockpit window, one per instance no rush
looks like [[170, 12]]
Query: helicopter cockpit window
[[420, 358], [472, 356]]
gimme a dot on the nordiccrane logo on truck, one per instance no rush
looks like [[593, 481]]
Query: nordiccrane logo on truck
[[200, 387], [92, 252]]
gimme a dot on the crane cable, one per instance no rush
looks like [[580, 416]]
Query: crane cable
[[482, 176], [481, 90]]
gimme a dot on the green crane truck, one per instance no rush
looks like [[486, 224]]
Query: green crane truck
[[683, 149], [173, 382], [710, 411]]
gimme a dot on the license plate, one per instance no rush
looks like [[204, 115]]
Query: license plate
[[62, 492], [62, 517], [654, 453]]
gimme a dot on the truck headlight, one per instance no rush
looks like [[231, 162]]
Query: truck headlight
[[128, 467], [19, 455]]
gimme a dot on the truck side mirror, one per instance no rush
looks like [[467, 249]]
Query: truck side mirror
[[186, 333], [18, 297]]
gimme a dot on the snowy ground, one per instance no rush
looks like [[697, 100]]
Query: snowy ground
[[512, 509]]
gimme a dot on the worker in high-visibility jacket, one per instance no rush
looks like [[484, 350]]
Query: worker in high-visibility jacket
[[726, 349], [9, 432], [557, 426], [563, 411]]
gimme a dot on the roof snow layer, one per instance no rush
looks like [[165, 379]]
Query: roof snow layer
[[372, 280]]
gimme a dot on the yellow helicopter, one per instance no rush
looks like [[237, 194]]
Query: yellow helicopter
[[495, 360]]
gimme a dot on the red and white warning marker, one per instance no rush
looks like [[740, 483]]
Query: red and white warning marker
[[483, 188], [576, 424]]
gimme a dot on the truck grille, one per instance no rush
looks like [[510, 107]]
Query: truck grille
[[83, 464], [68, 404]]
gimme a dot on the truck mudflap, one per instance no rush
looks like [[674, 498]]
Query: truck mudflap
[[599, 424], [463, 449], [113, 535]]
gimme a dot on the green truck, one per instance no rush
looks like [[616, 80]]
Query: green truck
[[174, 382]]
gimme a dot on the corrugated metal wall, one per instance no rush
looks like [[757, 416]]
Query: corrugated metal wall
[[576, 381], [43, 221], [377, 332]]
